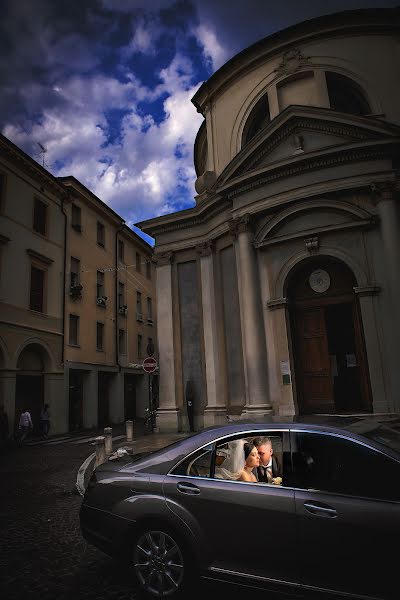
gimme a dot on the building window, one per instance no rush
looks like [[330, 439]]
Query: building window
[[150, 346], [101, 235], [75, 271], [345, 95], [73, 329], [76, 216], [148, 269], [139, 346], [121, 250], [39, 216], [139, 312], [138, 263], [121, 295], [258, 120], [36, 301], [121, 341], [149, 311], [100, 284], [99, 336]]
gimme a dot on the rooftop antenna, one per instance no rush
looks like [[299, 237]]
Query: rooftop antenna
[[42, 153]]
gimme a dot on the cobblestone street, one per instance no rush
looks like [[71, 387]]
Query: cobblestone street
[[43, 554]]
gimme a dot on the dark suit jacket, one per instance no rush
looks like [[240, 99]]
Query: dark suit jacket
[[276, 471]]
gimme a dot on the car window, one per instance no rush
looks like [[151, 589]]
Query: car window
[[230, 459], [333, 464], [197, 464]]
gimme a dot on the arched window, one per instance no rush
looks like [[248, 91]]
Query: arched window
[[345, 95], [258, 119]]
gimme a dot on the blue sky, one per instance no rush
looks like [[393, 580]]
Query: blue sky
[[106, 86]]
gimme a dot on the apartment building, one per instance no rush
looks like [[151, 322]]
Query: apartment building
[[110, 294], [32, 238]]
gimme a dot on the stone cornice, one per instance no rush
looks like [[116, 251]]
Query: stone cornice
[[303, 165], [296, 118], [23, 161], [195, 216], [39, 257]]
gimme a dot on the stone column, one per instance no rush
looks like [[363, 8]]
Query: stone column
[[8, 380], [385, 195], [90, 399], [55, 397], [215, 411], [255, 361], [168, 412]]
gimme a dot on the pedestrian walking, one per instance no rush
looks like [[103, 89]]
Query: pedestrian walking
[[4, 429], [45, 421], [25, 425]]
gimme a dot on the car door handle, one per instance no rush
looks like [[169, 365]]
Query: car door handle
[[188, 488], [321, 511]]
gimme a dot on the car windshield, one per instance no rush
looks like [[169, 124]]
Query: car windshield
[[386, 432]]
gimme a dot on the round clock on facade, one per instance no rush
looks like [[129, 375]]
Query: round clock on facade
[[319, 281]]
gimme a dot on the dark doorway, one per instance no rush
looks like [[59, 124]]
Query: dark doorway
[[130, 397], [29, 395], [103, 395], [75, 400], [328, 348]]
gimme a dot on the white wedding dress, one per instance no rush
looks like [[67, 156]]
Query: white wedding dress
[[233, 465]]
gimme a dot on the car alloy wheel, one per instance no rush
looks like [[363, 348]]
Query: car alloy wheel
[[158, 563]]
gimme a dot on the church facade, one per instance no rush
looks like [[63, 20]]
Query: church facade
[[278, 292]]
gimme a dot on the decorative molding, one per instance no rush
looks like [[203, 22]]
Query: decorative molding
[[292, 61], [360, 224], [383, 190], [277, 303], [163, 259], [310, 165], [240, 224], [205, 248], [293, 126], [4, 239], [312, 245], [367, 290], [39, 257]]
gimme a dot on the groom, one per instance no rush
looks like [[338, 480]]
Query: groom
[[269, 470]]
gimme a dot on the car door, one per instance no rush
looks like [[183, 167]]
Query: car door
[[248, 527], [348, 514]]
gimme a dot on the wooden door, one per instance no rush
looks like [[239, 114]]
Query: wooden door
[[313, 376]]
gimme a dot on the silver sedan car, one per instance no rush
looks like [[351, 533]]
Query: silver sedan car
[[324, 519]]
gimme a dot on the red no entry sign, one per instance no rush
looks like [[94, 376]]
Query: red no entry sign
[[149, 364]]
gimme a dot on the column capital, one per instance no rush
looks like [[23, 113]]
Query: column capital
[[164, 258], [384, 190], [240, 225], [205, 248]]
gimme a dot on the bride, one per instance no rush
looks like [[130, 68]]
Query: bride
[[242, 459]]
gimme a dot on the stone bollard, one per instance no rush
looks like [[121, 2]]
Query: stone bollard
[[129, 431], [108, 440], [100, 451]]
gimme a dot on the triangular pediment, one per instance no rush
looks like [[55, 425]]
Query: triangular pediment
[[301, 132]]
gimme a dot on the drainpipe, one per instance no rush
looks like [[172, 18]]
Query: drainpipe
[[116, 297], [64, 280]]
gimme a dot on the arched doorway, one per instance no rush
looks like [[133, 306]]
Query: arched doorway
[[29, 391], [331, 370]]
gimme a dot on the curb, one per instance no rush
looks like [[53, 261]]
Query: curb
[[80, 478]]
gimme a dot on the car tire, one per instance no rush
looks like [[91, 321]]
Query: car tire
[[162, 563]]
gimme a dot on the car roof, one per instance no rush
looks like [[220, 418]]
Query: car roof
[[353, 426]]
